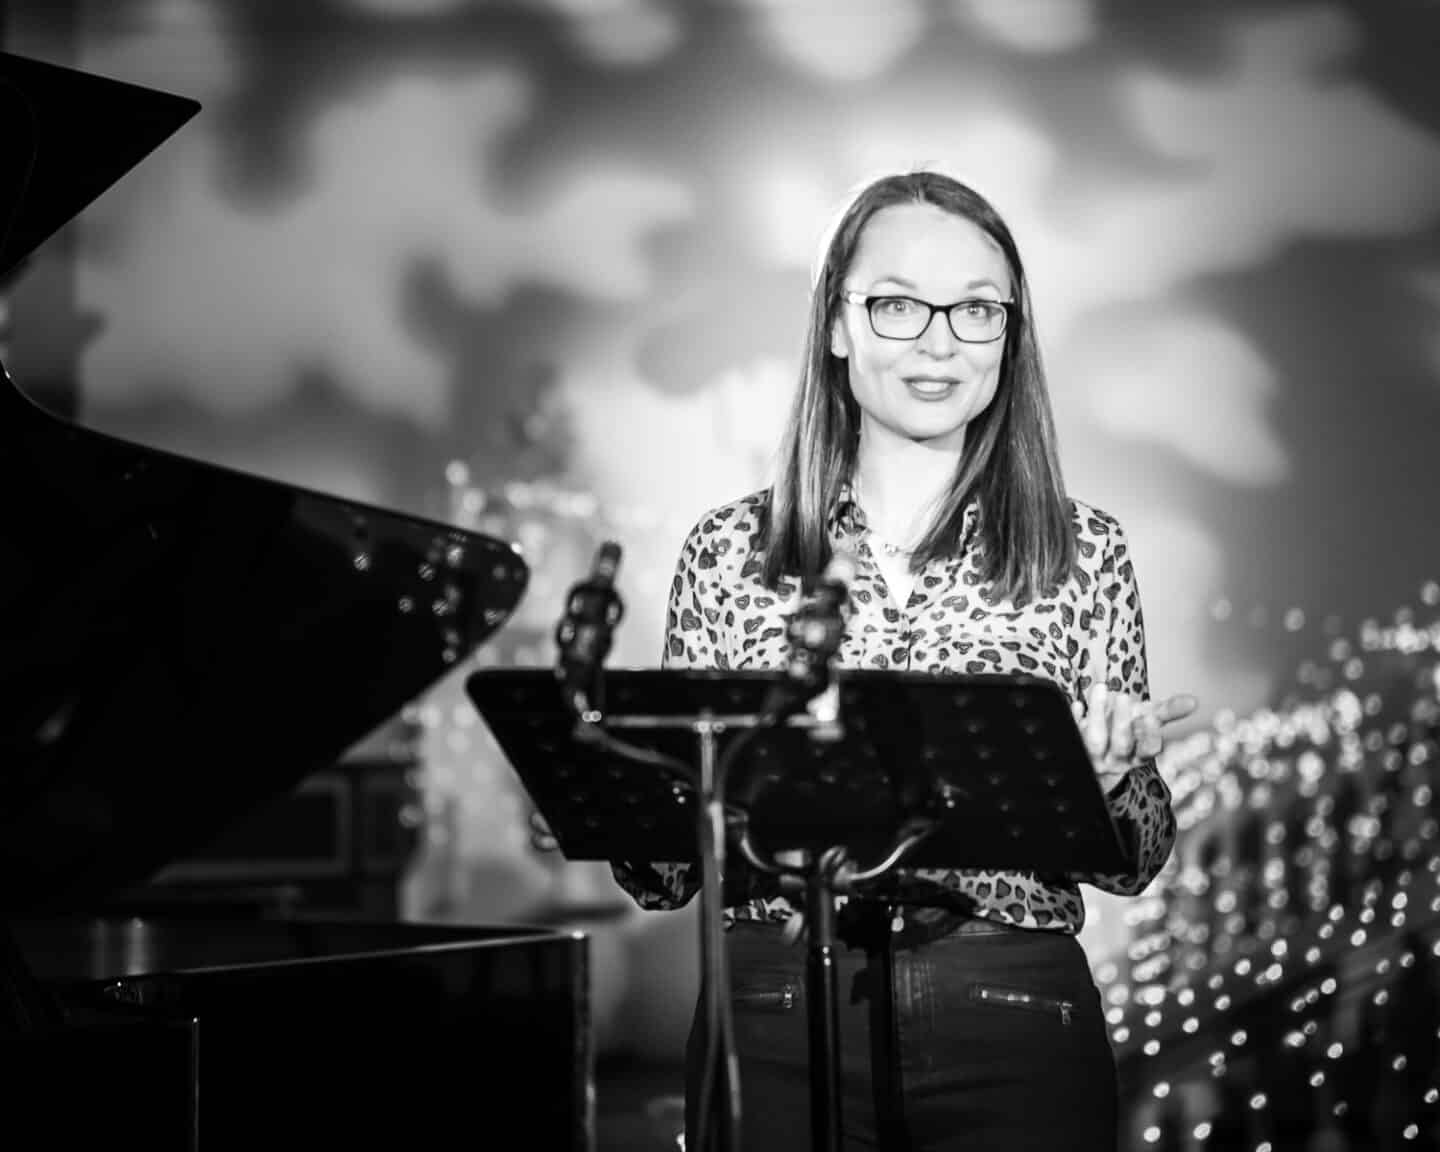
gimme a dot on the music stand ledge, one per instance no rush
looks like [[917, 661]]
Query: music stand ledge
[[992, 768]]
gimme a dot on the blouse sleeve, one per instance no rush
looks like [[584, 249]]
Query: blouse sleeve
[[692, 640], [1140, 802]]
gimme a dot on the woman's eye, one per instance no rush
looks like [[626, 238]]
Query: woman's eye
[[896, 305]]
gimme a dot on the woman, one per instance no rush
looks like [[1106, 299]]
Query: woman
[[921, 442]]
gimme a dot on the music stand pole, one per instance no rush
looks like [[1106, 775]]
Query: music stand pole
[[715, 977], [706, 726], [819, 880], [824, 877]]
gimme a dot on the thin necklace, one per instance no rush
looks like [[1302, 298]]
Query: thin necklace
[[887, 547]]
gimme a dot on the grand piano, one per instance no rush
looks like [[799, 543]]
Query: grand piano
[[179, 645]]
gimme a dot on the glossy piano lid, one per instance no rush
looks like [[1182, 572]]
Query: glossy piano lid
[[179, 642], [65, 137]]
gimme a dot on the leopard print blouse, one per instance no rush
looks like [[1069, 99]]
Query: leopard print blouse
[[721, 616]]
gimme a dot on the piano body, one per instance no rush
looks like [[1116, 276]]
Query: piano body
[[161, 620]]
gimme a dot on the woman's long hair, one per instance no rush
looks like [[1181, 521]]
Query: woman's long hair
[[1010, 464]]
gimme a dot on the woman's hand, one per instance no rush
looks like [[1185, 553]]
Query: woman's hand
[[1122, 731]]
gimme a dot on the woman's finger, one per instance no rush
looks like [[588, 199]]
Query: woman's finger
[[1097, 721], [1175, 707], [1122, 728], [1149, 740]]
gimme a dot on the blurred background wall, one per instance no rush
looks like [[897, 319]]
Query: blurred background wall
[[541, 269]]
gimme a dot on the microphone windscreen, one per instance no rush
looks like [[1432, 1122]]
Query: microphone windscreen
[[607, 563]]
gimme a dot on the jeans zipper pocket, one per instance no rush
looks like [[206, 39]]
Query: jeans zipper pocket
[[780, 1000], [1016, 998]]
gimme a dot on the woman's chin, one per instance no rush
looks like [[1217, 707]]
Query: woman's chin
[[934, 429], [939, 434]]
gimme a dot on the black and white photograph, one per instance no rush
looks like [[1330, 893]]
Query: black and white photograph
[[720, 575]]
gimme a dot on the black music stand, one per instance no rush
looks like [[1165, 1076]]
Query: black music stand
[[940, 772]]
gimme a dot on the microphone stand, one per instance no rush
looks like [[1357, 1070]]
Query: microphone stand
[[808, 697], [583, 636], [815, 632]]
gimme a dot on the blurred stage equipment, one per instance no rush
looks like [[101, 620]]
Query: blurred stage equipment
[[340, 841], [1281, 987], [163, 620], [905, 771]]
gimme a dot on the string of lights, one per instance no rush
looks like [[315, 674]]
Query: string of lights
[[1278, 985]]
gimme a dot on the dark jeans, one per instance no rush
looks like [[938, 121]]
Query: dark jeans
[[999, 1041]]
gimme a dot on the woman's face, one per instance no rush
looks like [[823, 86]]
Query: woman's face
[[929, 388]]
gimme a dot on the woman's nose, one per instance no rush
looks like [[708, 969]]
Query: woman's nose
[[937, 339]]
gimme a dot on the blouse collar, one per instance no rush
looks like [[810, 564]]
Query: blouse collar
[[847, 521]]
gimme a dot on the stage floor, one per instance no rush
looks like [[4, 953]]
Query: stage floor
[[639, 1105]]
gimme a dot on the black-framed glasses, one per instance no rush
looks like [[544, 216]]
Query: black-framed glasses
[[906, 318]]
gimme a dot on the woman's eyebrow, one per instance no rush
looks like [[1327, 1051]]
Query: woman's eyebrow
[[897, 280], [909, 285]]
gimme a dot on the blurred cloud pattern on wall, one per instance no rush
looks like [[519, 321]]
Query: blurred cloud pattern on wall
[[425, 252]]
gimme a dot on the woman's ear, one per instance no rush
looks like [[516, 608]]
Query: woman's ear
[[839, 340]]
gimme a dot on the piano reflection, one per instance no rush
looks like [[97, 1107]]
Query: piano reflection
[[149, 602]]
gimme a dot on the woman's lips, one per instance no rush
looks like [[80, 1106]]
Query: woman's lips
[[931, 387]]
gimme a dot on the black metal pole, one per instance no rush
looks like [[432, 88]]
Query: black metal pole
[[824, 1011], [720, 1093]]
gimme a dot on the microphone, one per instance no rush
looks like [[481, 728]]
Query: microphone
[[817, 629], [585, 631]]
